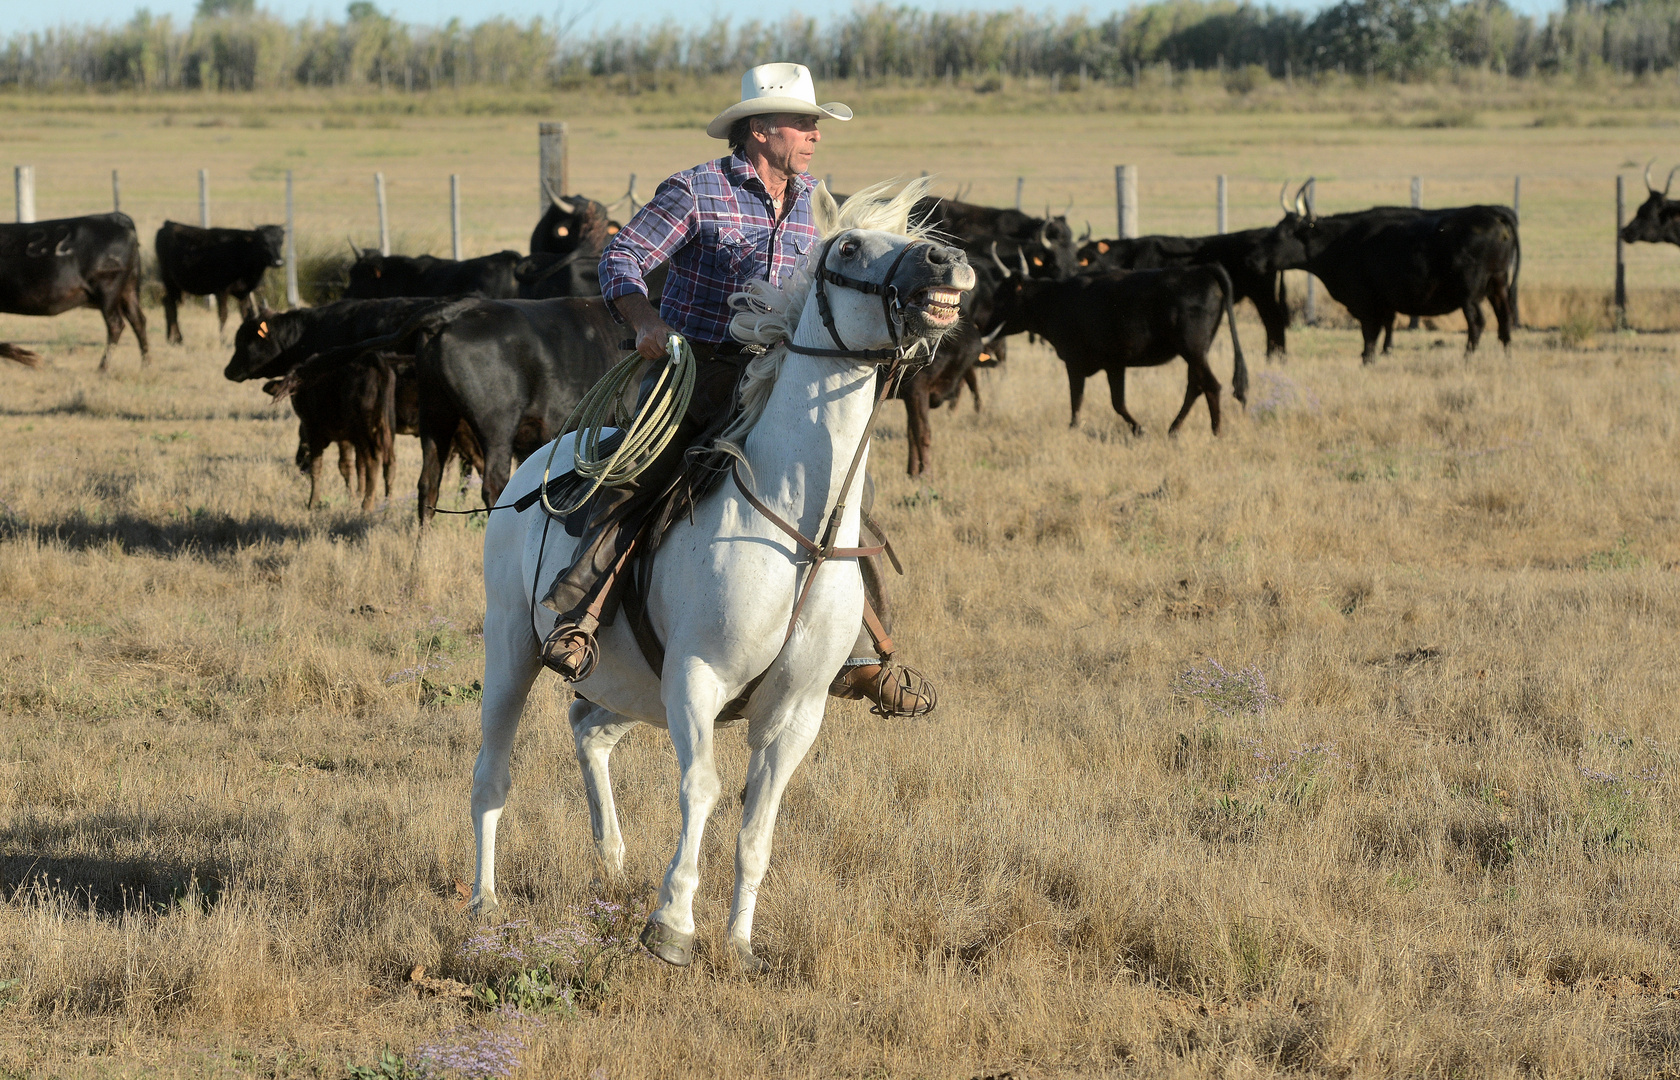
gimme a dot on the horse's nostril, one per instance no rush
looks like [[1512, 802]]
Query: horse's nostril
[[938, 255]]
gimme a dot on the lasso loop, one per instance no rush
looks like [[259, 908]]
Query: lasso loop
[[649, 432]]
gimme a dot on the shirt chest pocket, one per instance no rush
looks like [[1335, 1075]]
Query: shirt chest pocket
[[742, 252]]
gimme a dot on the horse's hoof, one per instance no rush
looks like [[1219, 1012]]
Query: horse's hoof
[[751, 964], [484, 905], [665, 943]]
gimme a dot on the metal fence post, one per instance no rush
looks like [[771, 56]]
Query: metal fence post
[[1621, 265], [455, 216], [1516, 208], [23, 179], [1311, 311], [384, 222], [292, 299], [551, 163], [1125, 198], [1020, 182], [1222, 205]]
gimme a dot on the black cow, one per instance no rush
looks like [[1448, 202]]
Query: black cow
[[376, 277], [572, 224], [547, 276], [352, 405], [1046, 242], [1395, 260], [49, 267], [975, 342], [1657, 221], [1230, 250], [215, 262], [1110, 321], [270, 344]]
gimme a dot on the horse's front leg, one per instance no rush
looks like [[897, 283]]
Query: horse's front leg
[[779, 743], [595, 731], [693, 698]]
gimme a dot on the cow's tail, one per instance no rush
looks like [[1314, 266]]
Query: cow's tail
[[1516, 267], [1239, 366], [406, 339], [8, 351]]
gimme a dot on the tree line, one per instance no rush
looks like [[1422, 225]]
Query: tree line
[[233, 45]]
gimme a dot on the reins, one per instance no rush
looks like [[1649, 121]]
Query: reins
[[823, 550]]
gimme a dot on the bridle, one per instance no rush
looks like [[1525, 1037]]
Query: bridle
[[892, 306]]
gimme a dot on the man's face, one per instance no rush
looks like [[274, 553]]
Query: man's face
[[788, 141]]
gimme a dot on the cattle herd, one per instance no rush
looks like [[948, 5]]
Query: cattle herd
[[485, 358]]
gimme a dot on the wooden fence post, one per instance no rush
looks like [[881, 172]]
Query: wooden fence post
[[1311, 311], [384, 221], [551, 163], [1125, 198], [1222, 205], [23, 179], [1020, 182], [455, 216], [292, 299], [1516, 208], [116, 193], [1621, 265]]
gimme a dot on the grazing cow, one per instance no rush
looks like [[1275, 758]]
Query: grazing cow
[[1046, 242], [1657, 221], [1230, 250], [572, 224], [1140, 318], [214, 262], [1395, 260], [374, 276], [49, 267]]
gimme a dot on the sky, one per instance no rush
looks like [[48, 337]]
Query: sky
[[21, 15]]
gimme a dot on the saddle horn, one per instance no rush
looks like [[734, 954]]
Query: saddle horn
[[1650, 188]]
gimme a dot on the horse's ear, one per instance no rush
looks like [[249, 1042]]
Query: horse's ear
[[825, 212]]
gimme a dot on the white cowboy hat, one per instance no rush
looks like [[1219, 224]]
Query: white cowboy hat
[[776, 88]]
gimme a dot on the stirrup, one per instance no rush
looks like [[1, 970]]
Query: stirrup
[[895, 690], [570, 651]]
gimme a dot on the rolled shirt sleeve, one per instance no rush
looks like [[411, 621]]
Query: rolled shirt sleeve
[[648, 239]]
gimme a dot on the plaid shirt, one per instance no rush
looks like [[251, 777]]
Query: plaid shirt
[[717, 227]]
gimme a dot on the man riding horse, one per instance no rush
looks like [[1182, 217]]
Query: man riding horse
[[721, 225]]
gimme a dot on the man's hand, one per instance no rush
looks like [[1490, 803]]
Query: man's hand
[[651, 331]]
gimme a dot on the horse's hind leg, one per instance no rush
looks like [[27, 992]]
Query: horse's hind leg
[[510, 667], [777, 749], [595, 731]]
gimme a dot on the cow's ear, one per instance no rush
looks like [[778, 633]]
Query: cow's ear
[[825, 212], [1102, 247]]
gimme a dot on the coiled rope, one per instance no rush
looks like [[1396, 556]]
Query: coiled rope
[[649, 432]]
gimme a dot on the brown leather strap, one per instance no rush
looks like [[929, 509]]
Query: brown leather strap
[[874, 526], [877, 633], [810, 546]]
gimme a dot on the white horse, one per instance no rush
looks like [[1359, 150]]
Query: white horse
[[725, 582]]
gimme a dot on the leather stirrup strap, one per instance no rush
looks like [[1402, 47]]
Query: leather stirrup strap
[[877, 633]]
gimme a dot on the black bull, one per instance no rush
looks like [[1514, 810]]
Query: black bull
[[1230, 250], [214, 262], [1140, 318], [49, 267], [377, 277], [1657, 221], [1394, 260]]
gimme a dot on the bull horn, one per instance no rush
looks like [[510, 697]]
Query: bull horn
[[1085, 238], [1022, 256], [1000, 265], [558, 200], [1650, 187], [1044, 233], [1670, 181], [355, 252], [1283, 194]]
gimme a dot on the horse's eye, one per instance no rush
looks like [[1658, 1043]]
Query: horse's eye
[[849, 249]]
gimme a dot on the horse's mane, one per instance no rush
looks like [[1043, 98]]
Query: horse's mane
[[768, 315]]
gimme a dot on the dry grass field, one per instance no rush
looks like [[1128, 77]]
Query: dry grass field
[[1341, 745]]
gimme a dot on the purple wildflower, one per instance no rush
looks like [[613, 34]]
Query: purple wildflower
[[1228, 693]]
